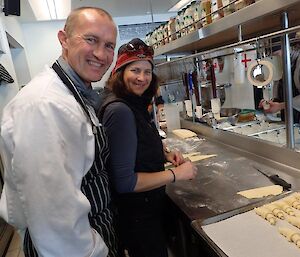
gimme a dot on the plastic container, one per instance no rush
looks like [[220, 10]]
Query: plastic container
[[159, 35], [166, 32], [197, 15], [229, 9], [147, 39], [188, 105], [242, 4], [178, 25], [205, 14], [215, 106], [216, 13], [172, 29], [192, 25], [189, 21], [199, 111], [153, 38], [172, 116]]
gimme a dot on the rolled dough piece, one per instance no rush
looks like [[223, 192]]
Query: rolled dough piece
[[296, 239], [184, 133], [198, 157], [275, 210], [295, 221], [290, 234], [266, 214], [283, 206], [261, 191], [292, 201], [193, 157], [296, 195], [189, 155]]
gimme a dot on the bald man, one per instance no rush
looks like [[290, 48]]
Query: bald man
[[55, 151]]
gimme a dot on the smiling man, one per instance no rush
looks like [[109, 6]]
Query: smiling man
[[55, 152]]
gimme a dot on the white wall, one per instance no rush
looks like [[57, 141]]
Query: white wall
[[43, 46], [19, 58], [13, 27]]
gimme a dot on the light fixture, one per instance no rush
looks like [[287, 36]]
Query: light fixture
[[179, 5], [50, 9]]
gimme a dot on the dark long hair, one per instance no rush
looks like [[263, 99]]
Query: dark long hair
[[117, 85]]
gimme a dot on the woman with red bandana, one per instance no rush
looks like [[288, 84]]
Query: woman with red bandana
[[137, 154]]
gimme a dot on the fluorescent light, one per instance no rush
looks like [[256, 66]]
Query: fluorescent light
[[50, 9], [63, 8], [179, 5]]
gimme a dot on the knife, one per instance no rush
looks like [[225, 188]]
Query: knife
[[276, 179]]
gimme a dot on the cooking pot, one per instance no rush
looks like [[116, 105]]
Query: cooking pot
[[207, 95], [226, 112]]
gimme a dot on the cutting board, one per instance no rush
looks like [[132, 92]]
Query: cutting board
[[249, 235]]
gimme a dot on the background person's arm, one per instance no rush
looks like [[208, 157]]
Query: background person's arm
[[296, 103], [271, 107]]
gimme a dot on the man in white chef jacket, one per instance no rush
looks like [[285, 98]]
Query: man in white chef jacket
[[48, 146]]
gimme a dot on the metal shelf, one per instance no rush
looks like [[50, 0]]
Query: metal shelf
[[257, 19]]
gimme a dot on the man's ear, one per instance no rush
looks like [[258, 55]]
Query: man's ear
[[62, 37]]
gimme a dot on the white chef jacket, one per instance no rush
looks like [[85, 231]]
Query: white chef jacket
[[48, 146]]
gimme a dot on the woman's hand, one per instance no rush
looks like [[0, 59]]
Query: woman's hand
[[185, 171], [174, 157]]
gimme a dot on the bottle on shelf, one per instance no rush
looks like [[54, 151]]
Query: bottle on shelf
[[217, 14], [179, 18], [242, 4], [206, 12], [172, 29], [228, 8], [197, 15], [165, 33]]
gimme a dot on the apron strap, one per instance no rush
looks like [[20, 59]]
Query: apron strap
[[70, 85]]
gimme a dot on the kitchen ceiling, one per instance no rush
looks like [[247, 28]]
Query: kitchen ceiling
[[117, 8]]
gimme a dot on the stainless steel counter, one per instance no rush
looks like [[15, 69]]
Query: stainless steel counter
[[214, 191], [219, 178]]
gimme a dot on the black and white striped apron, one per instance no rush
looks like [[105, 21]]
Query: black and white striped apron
[[95, 184]]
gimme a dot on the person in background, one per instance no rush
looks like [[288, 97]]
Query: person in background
[[277, 103], [55, 151], [158, 101], [137, 153]]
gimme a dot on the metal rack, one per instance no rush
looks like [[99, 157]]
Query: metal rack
[[262, 20], [256, 20], [216, 191]]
